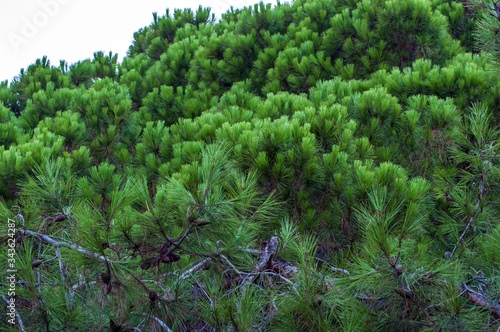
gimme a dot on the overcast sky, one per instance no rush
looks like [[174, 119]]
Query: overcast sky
[[73, 30]]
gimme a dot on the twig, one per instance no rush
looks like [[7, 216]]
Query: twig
[[277, 275], [162, 324], [465, 231], [265, 260], [61, 268], [253, 251], [38, 286], [475, 213], [230, 264], [336, 269], [19, 321], [195, 268], [176, 245], [139, 281], [204, 291], [48, 260], [67, 245], [399, 246], [406, 292], [196, 253], [481, 300], [267, 253]]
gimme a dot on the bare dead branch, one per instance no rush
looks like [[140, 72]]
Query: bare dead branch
[[336, 269], [480, 300], [61, 269], [157, 320], [267, 253], [230, 264], [70, 245], [19, 321], [201, 265], [255, 252]]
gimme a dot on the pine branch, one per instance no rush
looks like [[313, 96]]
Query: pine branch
[[267, 253], [481, 300], [176, 245], [230, 264], [19, 320], [61, 268], [266, 262], [465, 231], [201, 265], [157, 320], [69, 245], [476, 212], [406, 292], [336, 269]]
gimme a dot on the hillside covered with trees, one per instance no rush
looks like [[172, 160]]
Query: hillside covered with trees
[[326, 165]]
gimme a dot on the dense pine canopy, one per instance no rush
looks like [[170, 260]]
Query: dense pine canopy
[[326, 165]]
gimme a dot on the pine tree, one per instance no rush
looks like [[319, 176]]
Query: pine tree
[[323, 165]]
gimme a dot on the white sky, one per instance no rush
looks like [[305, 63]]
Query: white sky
[[73, 30]]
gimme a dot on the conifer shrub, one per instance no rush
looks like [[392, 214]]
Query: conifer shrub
[[317, 166]]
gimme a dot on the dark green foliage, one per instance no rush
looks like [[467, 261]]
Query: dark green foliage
[[37, 77], [82, 73], [9, 131], [461, 18]]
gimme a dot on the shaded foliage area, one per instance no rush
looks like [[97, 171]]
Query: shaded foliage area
[[325, 165]]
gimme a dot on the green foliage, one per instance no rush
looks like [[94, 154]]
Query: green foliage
[[382, 34], [105, 65], [461, 21], [82, 73], [8, 129], [467, 192], [487, 29], [317, 166]]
